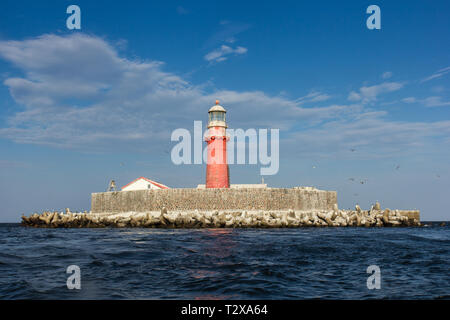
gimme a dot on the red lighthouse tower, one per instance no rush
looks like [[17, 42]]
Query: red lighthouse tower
[[217, 172]]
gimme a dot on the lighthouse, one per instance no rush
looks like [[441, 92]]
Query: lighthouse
[[217, 172]]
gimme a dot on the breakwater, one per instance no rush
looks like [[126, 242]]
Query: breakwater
[[375, 217], [187, 199]]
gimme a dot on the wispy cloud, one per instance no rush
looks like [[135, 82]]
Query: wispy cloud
[[437, 74], [387, 75], [222, 53], [371, 134], [438, 89], [369, 94], [409, 100], [228, 30], [435, 101], [313, 96]]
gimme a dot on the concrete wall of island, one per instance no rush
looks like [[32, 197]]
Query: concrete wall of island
[[214, 199]]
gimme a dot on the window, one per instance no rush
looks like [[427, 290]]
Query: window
[[217, 116]]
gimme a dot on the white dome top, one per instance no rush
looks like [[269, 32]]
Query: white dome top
[[217, 107]]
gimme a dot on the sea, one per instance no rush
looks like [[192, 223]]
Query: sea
[[300, 263]]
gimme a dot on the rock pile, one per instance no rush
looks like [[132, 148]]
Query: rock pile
[[375, 217]]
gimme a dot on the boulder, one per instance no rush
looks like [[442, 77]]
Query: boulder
[[377, 206], [291, 213], [386, 214]]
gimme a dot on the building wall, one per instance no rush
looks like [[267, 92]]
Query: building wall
[[213, 199], [140, 185]]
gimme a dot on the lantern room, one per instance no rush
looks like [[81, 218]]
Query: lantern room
[[217, 116]]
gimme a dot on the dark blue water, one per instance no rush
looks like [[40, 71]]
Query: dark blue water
[[325, 263]]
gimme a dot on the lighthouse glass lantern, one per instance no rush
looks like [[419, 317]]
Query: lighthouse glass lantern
[[217, 116], [217, 171]]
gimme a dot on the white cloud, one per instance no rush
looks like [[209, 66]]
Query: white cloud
[[369, 94], [387, 75], [313, 96], [231, 40], [353, 96], [438, 89], [228, 30], [435, 101], [409, 100], [220, 54], [77, 92], [371, 134], [437, 74]]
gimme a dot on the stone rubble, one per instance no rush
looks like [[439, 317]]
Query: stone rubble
[[375, 217]]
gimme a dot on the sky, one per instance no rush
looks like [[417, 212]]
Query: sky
[[363, 112]]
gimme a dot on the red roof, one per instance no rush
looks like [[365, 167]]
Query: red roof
[[148, 180]]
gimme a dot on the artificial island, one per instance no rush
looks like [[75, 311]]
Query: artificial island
[[219, 204]]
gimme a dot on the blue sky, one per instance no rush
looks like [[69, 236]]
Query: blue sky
[[81, 107]]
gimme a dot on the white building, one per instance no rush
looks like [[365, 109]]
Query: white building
[[143, 184]]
